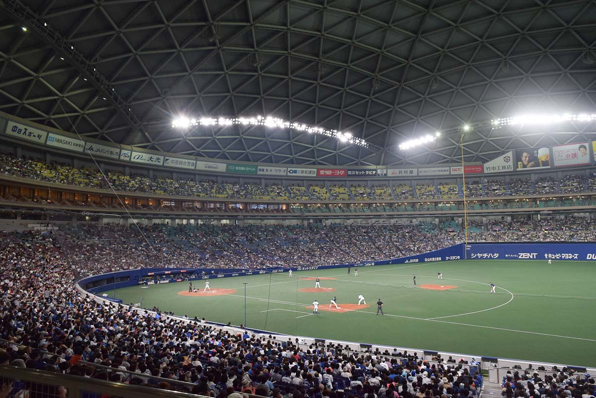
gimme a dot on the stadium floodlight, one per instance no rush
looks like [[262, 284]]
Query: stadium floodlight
[[543, 119], [467, 127], [419, 141], [183, 122]]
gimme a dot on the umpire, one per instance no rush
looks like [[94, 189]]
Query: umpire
[[380, 307]]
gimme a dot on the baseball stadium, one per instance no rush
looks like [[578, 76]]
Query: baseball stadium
[[298, 198]]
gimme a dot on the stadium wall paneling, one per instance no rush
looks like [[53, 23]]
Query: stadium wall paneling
[[531, 251]]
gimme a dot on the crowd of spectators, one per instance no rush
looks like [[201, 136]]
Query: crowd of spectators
[[47, 325], [38, 170]]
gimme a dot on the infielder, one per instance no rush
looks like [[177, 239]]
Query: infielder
[[361, 299], [315, 307], [318, 283], [440, 275], [550, 261], [207, 286], [355, 271], [290, 273], [492, 288], [334, 302]]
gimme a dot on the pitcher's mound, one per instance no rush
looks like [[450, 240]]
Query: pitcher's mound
[[317, 289], [343, 307], [209, 293], [315, 278], [437, 287]]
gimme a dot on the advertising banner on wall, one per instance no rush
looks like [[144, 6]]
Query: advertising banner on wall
[[146, 158], [211, 166], [473, 169], [272, 171], [180, 163], [362, 173], [382, 172], [125, 154], [301, 172], [571, 154], [402, 172], [434, 171], [532, 158], [25, 132], [102, 150], [531, 251], [332, 172], [501, 164], [63, 142], [241, 168]]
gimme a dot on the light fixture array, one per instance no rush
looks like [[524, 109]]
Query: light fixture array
[[419, 141], [270, 122], [541, 120]]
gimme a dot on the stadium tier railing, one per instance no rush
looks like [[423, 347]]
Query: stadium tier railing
[[36, 383]]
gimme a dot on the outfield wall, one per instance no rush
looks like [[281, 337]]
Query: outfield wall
[[531, 251]]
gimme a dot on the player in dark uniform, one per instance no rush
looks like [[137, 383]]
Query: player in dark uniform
[[414, 280], [380, 307]]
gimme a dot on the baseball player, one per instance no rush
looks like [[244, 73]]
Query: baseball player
[[361, 299], [207, 286], [492, 288], [440, 275], [318, 283], [315, 307], [349, 270], [550, 261], [334, 302], [355, 271], [290, 273], [190, 287], [414, 280]]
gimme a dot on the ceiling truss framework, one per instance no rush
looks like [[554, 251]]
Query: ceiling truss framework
[[384, 70]]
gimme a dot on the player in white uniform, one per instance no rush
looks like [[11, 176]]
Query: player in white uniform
[[355, 271], [315, 307], [318, 283], [290, 273], [492, 288], [550, 261], [334, 302], [361, 299], [440, 275], [207, 286]]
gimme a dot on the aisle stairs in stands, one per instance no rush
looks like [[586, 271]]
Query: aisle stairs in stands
[[490, 390]]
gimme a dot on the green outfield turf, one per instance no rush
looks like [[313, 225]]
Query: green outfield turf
[[539, 312]]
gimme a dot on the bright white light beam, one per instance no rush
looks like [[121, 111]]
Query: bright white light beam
[[419, 141], [543, 120], [269, 122]]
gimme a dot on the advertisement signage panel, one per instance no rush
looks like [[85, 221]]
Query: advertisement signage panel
[[501, 164], [125, 154], [434, 171], [531, 251], [361, 173], [180, 163], [102, 150], [474, 169], [272, 171], [382, 172], [301, 172], [25, 132], [571, 154], [211, 166], [402, 172], [332, 172], [532, 158], [63, 142], [146, 158], [241, 169]]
